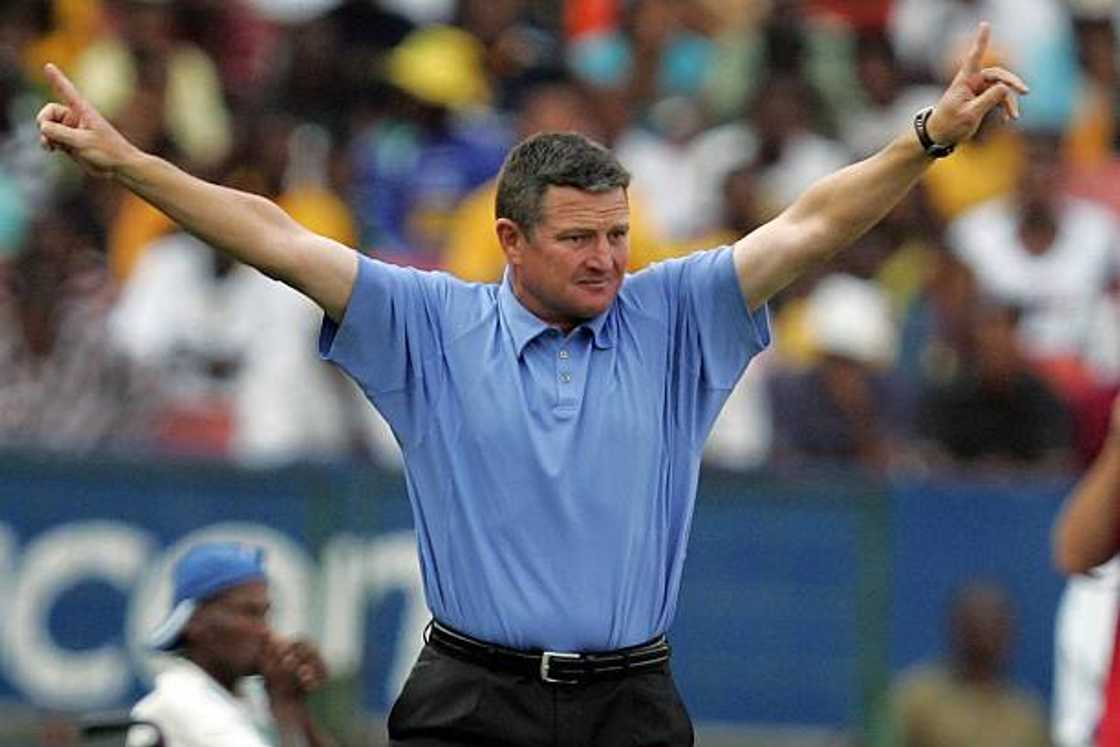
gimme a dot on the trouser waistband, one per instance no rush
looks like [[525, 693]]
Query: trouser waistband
[[556, 667]]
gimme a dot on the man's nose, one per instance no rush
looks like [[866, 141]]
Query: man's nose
[[600, 256]]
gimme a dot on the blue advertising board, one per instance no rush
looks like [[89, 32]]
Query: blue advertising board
[[799, 596]]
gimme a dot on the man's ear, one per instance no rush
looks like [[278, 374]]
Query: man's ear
[[512, 239]]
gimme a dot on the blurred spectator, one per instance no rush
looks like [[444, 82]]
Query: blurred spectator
[[27, 175], [889, 104], [327, 65], [672, 169], [1055, 257], [62, 385], [1092, 132], [899, 255], [1093, 137], [654, 54], [740, 212], [514, 45], [931, 34], [552, 102], [743, 433], [235, 345], [792, 152], [842, 407], [144, 67], [996, 412], [238, 37], [968, 700], [45, 30], [233, 351], [936, 336], [779, 139], [785, 37], [411, 169]]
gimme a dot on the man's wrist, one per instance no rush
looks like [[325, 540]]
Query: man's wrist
[[130, 167], [928, 136]]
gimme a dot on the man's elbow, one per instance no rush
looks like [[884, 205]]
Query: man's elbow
[[1065, 562], [1071, 557]]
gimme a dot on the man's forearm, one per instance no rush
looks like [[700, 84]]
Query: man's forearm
[[832, 214], [248, 227], [845, 205], [1086, 531]]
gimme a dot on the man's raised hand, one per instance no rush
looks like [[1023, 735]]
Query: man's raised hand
[[973, 93], [73, 126]]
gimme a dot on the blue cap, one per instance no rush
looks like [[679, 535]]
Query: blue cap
[[205, 571]]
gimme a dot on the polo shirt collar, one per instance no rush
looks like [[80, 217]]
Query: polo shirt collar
[[525, 326]]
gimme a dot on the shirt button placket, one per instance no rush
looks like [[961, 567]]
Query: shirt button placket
[[566, 398]]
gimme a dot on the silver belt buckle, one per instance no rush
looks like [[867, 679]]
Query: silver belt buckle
[[546, 661]]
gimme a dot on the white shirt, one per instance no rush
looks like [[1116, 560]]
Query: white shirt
[[1083, 636], [193, 710], [1060, 290], [286, 403]]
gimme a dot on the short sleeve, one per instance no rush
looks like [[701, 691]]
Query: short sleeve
[[714, 331], [389, 340]]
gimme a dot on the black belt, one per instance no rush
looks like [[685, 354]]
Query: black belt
[[555, 667]]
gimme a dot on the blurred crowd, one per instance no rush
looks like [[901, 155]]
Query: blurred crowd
[[977, 327]]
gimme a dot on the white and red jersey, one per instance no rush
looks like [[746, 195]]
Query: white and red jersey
[[1086, 700]]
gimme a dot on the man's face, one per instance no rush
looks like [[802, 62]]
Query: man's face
[[571, 267], [228, 633]]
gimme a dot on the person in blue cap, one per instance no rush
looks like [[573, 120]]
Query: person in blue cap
[[233, 680]]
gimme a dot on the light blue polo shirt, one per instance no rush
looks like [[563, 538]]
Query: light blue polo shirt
[[552, 477]]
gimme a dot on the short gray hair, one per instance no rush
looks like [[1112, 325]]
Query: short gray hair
[[560, 159]]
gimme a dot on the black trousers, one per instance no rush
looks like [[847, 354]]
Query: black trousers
[[447, 702]]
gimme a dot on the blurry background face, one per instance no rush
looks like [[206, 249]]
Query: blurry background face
[[877, 70], [148, 26], [983, 629], [230, 631], [783, 109], [487, 19], [557, 107], [1040, 182]]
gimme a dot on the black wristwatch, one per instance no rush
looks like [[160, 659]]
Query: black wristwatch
[[933, 150]]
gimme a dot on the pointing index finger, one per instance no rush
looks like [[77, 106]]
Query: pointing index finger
[[63, 88], [979, 47]]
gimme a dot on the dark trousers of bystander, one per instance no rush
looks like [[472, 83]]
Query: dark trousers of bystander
[[449, 702]]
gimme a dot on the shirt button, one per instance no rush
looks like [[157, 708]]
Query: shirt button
[[564, 355], [565, 378]]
